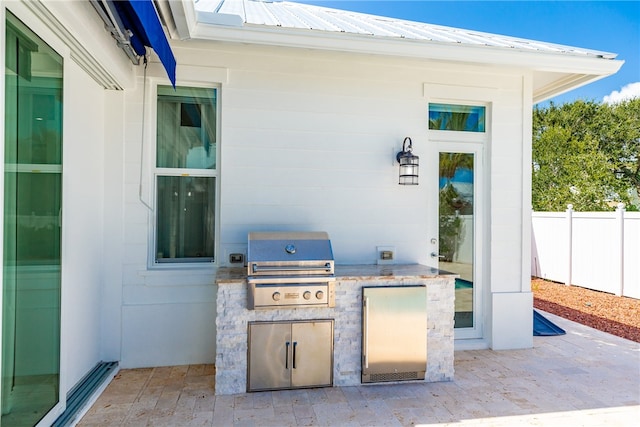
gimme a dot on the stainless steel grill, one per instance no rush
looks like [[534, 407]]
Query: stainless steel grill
[[290, 269]]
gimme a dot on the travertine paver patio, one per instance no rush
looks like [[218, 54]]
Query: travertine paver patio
[[585, 377]]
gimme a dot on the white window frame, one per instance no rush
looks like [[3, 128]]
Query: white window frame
[[460, 135], [149, 162]]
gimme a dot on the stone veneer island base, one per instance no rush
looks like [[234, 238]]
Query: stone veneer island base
[[233, 317]]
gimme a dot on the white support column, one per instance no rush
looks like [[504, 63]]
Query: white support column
[[569, 243], [620, 247]]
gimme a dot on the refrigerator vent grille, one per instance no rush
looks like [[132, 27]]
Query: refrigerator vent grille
[[397, 376]]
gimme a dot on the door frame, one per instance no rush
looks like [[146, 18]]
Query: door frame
[[473, 89]]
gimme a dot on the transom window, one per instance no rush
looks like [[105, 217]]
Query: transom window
[[185, 174], [465, 118]]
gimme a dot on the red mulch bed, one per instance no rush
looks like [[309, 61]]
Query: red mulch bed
[[606, 312]]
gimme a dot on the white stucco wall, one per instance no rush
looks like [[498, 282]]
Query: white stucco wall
[[308, 142], [82, 241], [111, 298], [167, 314]]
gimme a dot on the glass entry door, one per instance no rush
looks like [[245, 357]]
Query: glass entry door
[[458, 133], [31, 278], [455, 239], [456, 228]]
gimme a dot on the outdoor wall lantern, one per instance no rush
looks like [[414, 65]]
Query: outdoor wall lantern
[[408, 164]]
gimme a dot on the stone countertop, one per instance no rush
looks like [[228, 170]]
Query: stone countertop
[[373, 271], [231, 275], [351, 272]]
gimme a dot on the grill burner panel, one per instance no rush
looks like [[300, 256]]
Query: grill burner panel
[[290, 269], [291, 295]]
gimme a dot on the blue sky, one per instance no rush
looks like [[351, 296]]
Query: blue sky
[[610, 26]]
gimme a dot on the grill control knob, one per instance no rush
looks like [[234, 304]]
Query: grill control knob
[[306, 295], [276, 296], [319, 294]]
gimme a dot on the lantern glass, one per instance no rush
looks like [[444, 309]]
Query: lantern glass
[[408, 169]]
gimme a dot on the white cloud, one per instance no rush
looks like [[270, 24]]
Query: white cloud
[[630, 91]]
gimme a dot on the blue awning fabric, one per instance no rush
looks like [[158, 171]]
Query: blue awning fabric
[[141, 18]]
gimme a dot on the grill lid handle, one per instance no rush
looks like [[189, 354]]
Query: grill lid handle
[[257, 268]]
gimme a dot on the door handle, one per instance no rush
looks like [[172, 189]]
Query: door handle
[[286, 356], [295, 344], [366, 332], [435, 255]]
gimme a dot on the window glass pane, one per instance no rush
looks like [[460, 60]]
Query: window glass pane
[[32, 229], [34, 215], [185, 221], [186, 131], [456, 231], [466, 118], [34, 74]]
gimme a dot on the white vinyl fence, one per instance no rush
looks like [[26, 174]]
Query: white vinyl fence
[[464, 252], [595, 250]]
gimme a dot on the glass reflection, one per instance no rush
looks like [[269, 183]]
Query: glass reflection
[[456, 234], [32, 227]]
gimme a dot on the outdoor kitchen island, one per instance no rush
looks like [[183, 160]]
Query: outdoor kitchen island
[[233, 319]]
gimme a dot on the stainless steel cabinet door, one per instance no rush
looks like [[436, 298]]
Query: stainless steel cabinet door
[[394, 342], [290, 354], [269, 356], [312, 354]]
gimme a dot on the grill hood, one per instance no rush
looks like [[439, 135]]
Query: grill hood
[[289, 253]]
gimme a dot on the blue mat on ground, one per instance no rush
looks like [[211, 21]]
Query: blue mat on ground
[[544, 327], [463, 284]]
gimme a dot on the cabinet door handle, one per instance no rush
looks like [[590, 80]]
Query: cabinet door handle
[[286, 356], [366, 333], [295, 344]]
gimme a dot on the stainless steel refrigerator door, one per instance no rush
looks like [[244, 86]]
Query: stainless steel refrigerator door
[[394, 342], [312, 353], [269, 356]]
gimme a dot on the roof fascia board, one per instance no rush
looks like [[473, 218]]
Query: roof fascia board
[[183, 15], [310, 39], [166, 17]]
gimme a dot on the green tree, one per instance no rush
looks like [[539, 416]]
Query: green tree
[[620, 133], [586, 154], [451, 204]]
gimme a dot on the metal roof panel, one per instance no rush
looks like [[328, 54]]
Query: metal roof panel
[[287, 14]]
